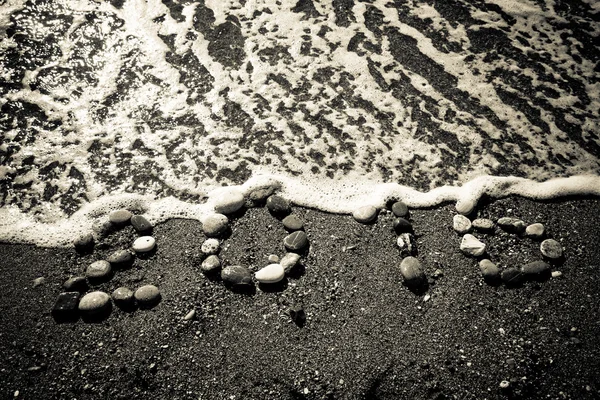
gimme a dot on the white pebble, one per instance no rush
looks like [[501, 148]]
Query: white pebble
[[228, 200], [210, 246], [272, 273], [365, 214], [461, 224], [472, 246], [556, 274], [144, 244]]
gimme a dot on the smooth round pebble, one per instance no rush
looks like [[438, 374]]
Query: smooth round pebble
[[461, 224], [141, 224], [552, 249], [144, 244], [400, 209], [289, 262], [536, 268], [120, 217], [273, 258], [75, 284], [94, 303], [512, 225], [278, 205], [210, 246], [228, 200], [365, 214], [483, 224], [296, 241], [402, 225], [535, 231], [472, 246], [98, 270], [272, 273], [123, 297], [215, 225], [84, 242], [412, 272], [121, 258], [236, 275], [292, 223], [259, 196], [210, 264], [147, 295], [489, 270]]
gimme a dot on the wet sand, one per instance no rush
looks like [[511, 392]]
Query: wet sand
[[366, 336]]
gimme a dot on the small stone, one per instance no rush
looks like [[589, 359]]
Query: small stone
[[535, 231], [120, 218], [400, 209], [489, 271], [141, 224], [411, 271], [289, 262], [228, 200], [278, 205], [236, 275], [512, 276], [98, 270], [483, 225], [273, 258], [65, 308], [94, 303], [123, 297], [121, 258], [215, 225], [461, 224], [556, 274], [407, 244], [504, 384], [365, 214], [292, 223], [402, 225], [298, 315], [84, 242], [465, 207], [39, 281], [536, 269], [76, 284], [259, 195], [147, 295], [296, 241], [210, 246], [470, 245], [210, 264], [190, 316], [144, 244], [552, 249], [272, 273], [512, 225]]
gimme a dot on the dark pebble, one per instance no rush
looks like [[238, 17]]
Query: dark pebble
[[512, 225], [236, 275], [121, 258], [278, 205], [489, 271], [296, 241], [401, 225], [120, 217], [84, 243], [536, 270], [147, 296], [76, 284], [99, 271], [400, 209], [123, 297], [141, 224], [512, 276], [411, 271], [259, 196], [293, 223], [66, 307]]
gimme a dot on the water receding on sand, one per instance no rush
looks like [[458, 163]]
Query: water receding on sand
[[152, 105]]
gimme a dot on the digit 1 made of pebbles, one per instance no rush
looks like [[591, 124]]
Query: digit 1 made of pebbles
[[296, 241]]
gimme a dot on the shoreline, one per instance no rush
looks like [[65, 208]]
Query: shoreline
[[366, 334]]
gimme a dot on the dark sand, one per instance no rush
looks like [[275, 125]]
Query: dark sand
[[367, 336]]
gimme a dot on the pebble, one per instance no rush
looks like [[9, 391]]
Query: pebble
[[552, 249], [94, 303], [400, 209], [121, 258], [411, 271], [365, 214], [461, 224], [84, 242], [236, 275], [147, 295], [215, 225], [272, 273], [98, 270], [536, 268], [210, 246], [66, 306], [470, 245], [210, 264], [141, 224], [190, 316], [293, 223], [407, 244], [402, 225], [535, 231], [273, 258], [278, 205], [512, 225], [512, 276], [489, 270], [228, 200], [123, 297], [296, 241], [144, 244], [504, 384], [483, 225], [556, 274], [75, 284], [289, 262], [39, 281], [465, 207], [120, 217], [258, 196]]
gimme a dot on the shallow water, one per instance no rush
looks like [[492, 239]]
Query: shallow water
[[151, 104]]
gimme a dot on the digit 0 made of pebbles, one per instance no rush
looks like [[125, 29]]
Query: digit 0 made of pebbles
[[296, 241]]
